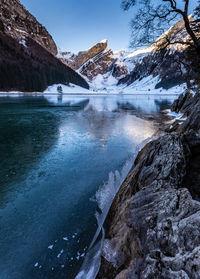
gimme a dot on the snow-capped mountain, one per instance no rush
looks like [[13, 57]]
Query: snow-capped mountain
[[106, 70], [97, 60], [168, 64], [99, 64]]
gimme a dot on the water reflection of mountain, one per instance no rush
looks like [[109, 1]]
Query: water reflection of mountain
[[99, 125], [158, 106], [127, 106], [29, 126], [138, 103]]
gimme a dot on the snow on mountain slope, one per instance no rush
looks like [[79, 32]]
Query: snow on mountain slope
[[168, 64], [146, 85], [67, 89], [136, 57], [156, 68], [122, 66]]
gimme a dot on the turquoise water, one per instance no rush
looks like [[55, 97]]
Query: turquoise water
[[54, 160]]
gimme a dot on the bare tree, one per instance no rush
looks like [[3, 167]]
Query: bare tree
[[153, 18]]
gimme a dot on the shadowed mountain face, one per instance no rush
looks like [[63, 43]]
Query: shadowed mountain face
[[27, 61], [172, 62], [20, 24]]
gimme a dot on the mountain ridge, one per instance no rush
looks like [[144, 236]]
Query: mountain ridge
[[110, 70]]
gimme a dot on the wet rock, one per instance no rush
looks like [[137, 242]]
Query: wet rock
[[193, 112], [178, 103], [183, 103]]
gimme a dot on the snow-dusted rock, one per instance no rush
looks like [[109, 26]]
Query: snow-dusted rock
[[97, 60]]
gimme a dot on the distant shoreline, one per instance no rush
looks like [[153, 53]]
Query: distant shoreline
[[89, 94]]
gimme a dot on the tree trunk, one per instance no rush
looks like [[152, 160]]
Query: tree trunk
[[191, 33]]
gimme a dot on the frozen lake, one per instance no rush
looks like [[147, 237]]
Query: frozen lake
[[59, 166]]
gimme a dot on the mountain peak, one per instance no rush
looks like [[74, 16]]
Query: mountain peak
[[105, 41], [77, 61]]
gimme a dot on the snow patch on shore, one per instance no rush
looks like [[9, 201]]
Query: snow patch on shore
[[107, 84], [176, 116], [67, 89]]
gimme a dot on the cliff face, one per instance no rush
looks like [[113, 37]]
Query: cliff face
[[153, 224], [76, 61], [163, 64], [27, 61], [18, 23], [98, 60]]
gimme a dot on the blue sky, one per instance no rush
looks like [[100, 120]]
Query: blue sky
[[78, 24]]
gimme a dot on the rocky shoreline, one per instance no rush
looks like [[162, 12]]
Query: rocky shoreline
[[152, 229]]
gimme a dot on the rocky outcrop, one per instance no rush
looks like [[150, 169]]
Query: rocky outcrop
[[98, 60], [119, 70], [176, 35], [99, 65], [152, 229], [18, 23], [27, 61], [76, 61]]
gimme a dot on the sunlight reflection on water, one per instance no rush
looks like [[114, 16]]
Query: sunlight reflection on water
[[53, 162]]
